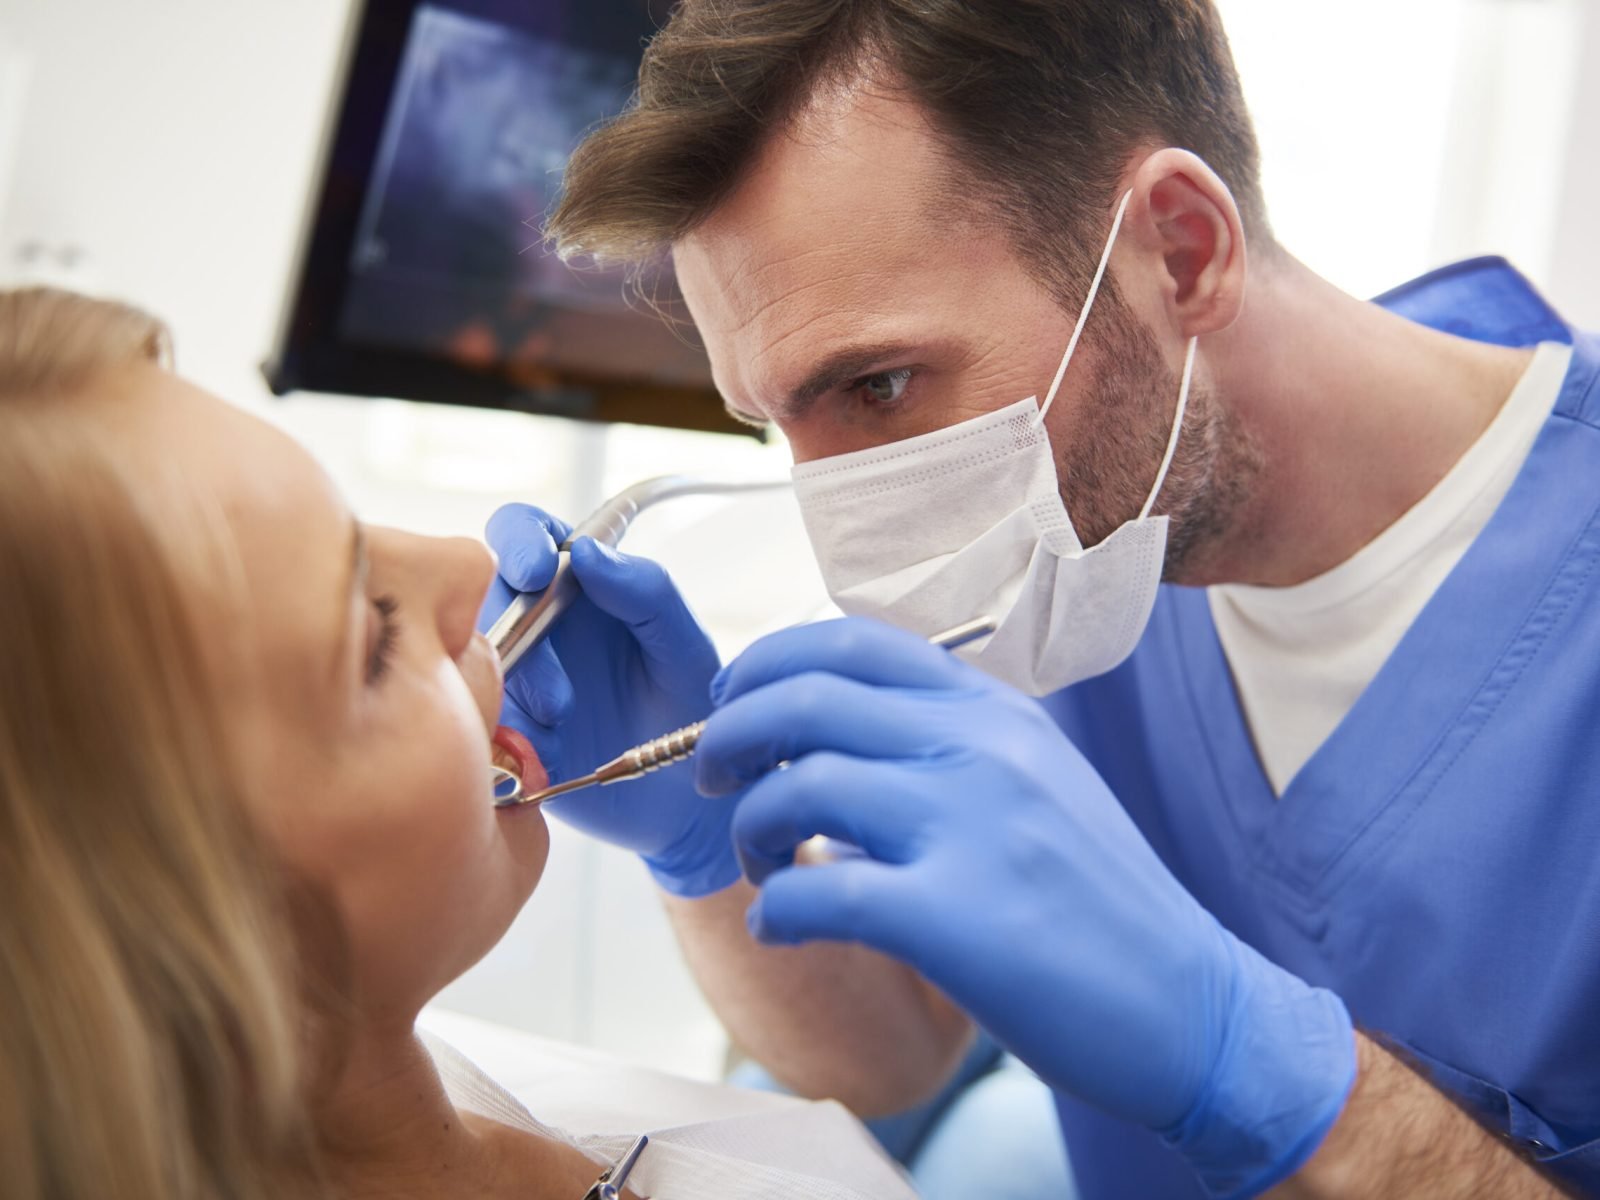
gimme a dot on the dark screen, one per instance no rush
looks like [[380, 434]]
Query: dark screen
[[426, 275]]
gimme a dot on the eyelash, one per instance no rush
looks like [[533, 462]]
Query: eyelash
[[388, 634]]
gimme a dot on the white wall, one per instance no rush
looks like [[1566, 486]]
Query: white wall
[[1399, 135], [1351, 165], [169, 139], [1574, 279], [170, 144], [1514, 104], [13, 91]]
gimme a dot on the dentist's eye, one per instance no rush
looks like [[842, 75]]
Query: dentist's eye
[[884, 388], [381, 653]]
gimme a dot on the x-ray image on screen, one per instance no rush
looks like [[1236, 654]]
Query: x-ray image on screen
[[448, 257]]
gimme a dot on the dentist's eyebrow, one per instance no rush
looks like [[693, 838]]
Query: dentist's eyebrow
[[356, 585], [843, 366]]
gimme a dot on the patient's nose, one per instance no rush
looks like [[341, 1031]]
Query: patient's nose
[[464, 568]]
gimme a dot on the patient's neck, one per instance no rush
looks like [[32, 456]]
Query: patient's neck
[[389, 1129]]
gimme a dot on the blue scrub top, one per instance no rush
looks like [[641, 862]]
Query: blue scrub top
[[1437, 861]]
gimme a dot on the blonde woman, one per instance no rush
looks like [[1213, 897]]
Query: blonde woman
[[244, 823]]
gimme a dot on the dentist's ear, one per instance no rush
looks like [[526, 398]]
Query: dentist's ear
[[1184, 221]]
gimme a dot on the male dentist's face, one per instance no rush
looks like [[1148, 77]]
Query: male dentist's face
[[844, 297]]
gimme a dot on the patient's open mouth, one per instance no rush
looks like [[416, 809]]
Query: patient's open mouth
[[514, 754]]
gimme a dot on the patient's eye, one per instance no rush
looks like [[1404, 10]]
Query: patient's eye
[[381, 651]]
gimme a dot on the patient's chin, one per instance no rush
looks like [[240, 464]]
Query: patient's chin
[[526, 837], [471, 922]]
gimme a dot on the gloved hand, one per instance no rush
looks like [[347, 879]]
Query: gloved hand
[[998, 864], [627, 662]]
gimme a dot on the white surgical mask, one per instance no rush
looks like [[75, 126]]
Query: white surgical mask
[[968, 521]]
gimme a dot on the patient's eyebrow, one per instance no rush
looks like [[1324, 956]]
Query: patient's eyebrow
[[355, 585], [845, 365]]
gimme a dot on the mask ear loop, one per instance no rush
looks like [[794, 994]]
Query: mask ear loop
[[1088, 306], [1177, 428]]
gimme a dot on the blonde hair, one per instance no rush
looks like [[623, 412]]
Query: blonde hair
[[149, 1026]]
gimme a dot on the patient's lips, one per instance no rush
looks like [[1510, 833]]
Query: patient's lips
[[515, 753]]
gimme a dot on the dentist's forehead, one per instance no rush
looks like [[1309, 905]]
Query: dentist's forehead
[[843, 230]]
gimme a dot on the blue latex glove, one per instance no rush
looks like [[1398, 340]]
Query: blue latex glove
[[998, 864], [627, 662]]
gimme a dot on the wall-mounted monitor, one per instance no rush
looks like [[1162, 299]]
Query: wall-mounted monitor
[[422, 273]]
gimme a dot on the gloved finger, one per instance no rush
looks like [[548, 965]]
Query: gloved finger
[[853, 901], [857, 648], [865, 803], [526, 538], [783, 721], [540, 687], [639, 593]]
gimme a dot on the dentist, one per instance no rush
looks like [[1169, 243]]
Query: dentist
[[1263, 829]]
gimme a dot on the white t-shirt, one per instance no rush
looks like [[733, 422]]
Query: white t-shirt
[[706, 1142], [1301, 656]]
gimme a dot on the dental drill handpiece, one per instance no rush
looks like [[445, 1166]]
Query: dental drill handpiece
[[680, 744], [530, 617]]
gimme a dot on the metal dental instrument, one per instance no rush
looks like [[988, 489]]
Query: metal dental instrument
[[503, 785], [531, 615], [680, 744], [615, 1177]]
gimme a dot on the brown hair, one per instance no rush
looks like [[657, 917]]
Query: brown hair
[[149, 1040], [1040, 103]]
